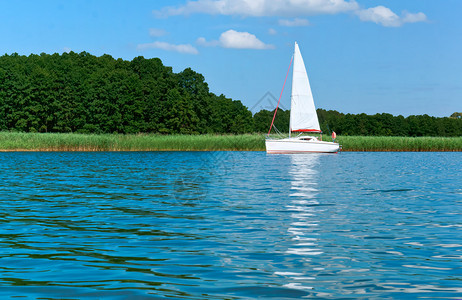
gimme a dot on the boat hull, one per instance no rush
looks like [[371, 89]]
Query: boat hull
[[293, 146]]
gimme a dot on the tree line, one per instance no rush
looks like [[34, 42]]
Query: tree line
[[82, 93], [87, 94], [370, 125]]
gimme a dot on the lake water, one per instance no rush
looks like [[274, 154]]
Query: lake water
[[230, 225]]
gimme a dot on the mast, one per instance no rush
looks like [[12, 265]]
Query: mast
[[290, 118]]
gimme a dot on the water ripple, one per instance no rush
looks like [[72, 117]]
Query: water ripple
[[230, 225]]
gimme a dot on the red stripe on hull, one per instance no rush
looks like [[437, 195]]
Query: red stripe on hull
[[307, 130]]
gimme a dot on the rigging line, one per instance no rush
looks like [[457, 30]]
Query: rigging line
[[277, 131], [276, 110]]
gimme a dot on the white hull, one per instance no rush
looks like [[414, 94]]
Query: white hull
[[296, 145]]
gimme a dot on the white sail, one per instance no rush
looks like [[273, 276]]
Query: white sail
[[303, 115]]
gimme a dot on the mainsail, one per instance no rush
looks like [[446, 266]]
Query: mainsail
[[303, 117]]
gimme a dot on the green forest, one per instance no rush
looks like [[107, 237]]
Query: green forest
[[82, 93], [369, 125]]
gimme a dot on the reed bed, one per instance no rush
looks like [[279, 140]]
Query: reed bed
[[395, 143], [15, 141]]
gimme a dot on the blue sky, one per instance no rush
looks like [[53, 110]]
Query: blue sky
[[371, 56]]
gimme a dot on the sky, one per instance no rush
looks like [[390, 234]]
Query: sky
[[362, 56]]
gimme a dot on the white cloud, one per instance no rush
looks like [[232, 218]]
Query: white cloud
[[67, 49], [380, 15], [203, 42], [156, 32], [291, 8], [414, 18], [242, 40], [272, 31], [260, 8], [294, 23], [187, 49], [384, 16], [236, 40]]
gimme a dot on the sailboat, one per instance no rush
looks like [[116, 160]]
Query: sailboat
[[303, 117]]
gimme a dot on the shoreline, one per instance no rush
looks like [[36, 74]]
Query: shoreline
[[73, 142], [224, 150]]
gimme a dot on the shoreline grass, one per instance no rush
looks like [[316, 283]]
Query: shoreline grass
[[400, 144], [16, 141]]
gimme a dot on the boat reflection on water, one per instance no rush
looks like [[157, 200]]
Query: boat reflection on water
[[303, 205]]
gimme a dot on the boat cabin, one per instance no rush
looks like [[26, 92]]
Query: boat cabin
[[308, 138]]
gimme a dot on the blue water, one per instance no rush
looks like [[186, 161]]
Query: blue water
[[230, 225]]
